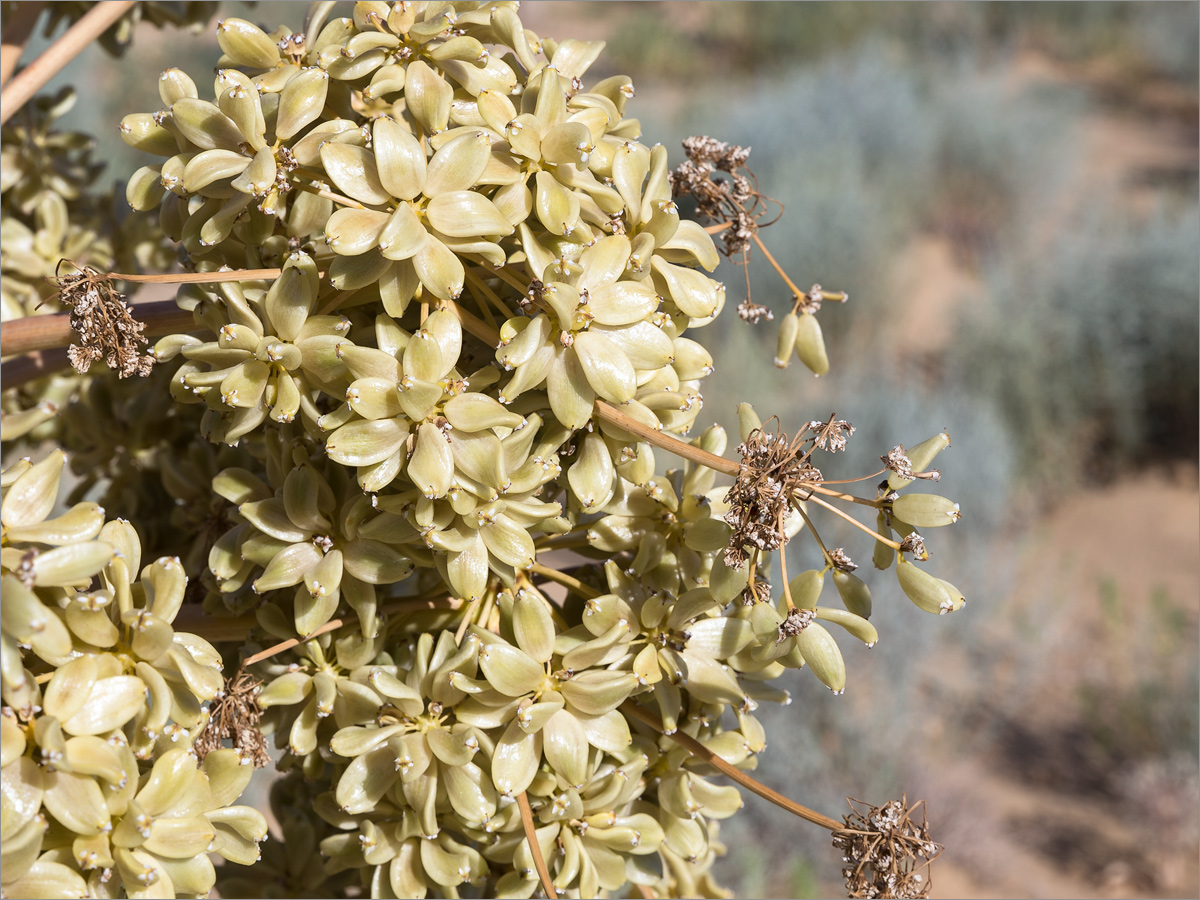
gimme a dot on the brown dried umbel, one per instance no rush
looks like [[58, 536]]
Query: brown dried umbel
[[772, 471], [235, 714], [887, 852], [104, 323], [733, 200]]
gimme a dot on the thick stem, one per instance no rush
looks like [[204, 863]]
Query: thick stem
[[47, 332], [16, 35], [32, 366], [696, 748], [680, 448], [34, 76], [161, 317], [535, 849]]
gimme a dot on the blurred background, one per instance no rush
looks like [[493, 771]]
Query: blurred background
[[1008, 192]]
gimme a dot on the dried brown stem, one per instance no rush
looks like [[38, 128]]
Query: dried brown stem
[[697, 749], [34, 77], [534, 848], [17, 35]]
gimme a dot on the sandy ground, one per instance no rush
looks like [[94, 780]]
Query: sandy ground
[[1051, 836], [1043, 813]]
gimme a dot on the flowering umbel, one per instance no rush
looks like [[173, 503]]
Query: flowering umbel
[[443, 305]]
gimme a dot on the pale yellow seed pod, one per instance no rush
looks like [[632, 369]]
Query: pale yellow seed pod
[[174, 84], [81, 522], [508, 542], [591, 476], [457, 164], [533, 625], [511, 671], [556, 207], [142, 132], [431, 467], [786, 342], [805, 589], [598, 691], [205, 125], [354, 172], [514, 761], [465, 214], [606, 367], [145, 189], [692, 361], [855, 594], [473, 411], [70, 565], [351, 232], [439, 269], [423, 357], [630, 166], [622, 302], [399, 158], [568, 143], [301, 101], [925, 510], [258, 178], [821, 652], [856, 625], [364, 443], [77, 802], [246, 44], [957, 600], [693, 292], [32, 495], [925, 590], [810, 345]]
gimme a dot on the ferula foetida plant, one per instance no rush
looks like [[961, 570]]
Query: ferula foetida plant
[[399, 497]]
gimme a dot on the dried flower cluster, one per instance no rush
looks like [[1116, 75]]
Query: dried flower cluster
[[887, 852], [732, 199], [412, 483], [105, 325]]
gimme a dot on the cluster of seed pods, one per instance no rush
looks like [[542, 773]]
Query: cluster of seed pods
[[469, 256]]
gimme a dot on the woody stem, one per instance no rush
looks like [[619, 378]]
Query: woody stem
[[16, 35], [34, 77]]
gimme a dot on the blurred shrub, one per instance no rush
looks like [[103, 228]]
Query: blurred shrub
[[1088, 347]]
